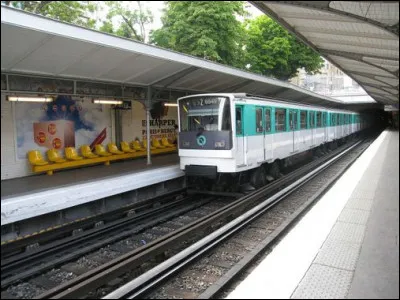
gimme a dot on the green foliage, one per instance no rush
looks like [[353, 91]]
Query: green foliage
[[207, 29], [77, 12], [132, 22], [272, 51]]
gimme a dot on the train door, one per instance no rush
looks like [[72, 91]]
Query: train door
[[341, 125], [325, 125], [293, 125], [313, 129], [334, 125], [268, 137], [240, 137]]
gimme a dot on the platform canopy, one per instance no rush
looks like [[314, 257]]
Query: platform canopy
[[35, 45], [360, 37]]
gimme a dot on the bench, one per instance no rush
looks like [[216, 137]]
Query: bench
[[57, 162]]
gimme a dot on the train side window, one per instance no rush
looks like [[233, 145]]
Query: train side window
[[239, 124], [324, 114], [312, 119], [333, 119], [267, 120], [259, 121], [280, 119], [319, 119], [303, 119]]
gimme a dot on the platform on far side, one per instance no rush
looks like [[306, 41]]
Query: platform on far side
[[347, 245], [27, 197]]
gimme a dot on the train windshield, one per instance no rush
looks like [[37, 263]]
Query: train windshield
[[203, 113]]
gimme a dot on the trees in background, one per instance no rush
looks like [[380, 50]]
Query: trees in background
[[76, 12], [207, 29], [272, 51], [212, 30], [131, 20]]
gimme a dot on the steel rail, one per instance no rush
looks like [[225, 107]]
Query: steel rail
[[97, 277], [147, 281]]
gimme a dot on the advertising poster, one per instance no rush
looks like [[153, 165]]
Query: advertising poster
[[65, 122], [163, 126]]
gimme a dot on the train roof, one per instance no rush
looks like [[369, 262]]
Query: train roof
[[265, 98]]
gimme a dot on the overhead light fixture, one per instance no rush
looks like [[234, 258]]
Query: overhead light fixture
[[29, 99], [107, 101], [170, 104]]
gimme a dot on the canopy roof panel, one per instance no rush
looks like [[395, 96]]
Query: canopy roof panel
[[36, 45], [359, 37]]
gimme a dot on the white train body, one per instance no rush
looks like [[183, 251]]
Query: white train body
[[229, 133]]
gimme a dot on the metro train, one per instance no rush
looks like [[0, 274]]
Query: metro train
[[233, 136]]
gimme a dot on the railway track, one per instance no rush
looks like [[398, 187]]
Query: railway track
[[29, 273], [109, 276], [46, 236], [210, 267]]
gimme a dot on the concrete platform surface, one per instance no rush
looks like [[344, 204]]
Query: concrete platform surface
[[37, 195], [41, 182]]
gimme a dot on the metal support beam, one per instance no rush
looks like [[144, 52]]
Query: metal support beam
[[385, 88], [7, 83], [363, 45], [365, 78], [388, 98], [118, 126], [369, 75], [307, 16], [148, 107], [305, 29], [355, 56]]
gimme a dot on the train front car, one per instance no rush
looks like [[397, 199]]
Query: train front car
[[205, 135]]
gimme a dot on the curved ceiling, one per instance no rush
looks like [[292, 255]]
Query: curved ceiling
[[359, 37]]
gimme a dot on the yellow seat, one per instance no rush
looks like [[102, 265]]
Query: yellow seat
[[112, 148], [87, 152], [166, 143], [125, 147], [145, 145], [55, 156], [156, 144], [136, 145], [36, 159], [71, 154], [99, 149]]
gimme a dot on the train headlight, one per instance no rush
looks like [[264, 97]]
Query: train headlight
[[220, 144], [186, 144]]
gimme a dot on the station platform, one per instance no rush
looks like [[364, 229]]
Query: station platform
[[347, 245], [27, 197]]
